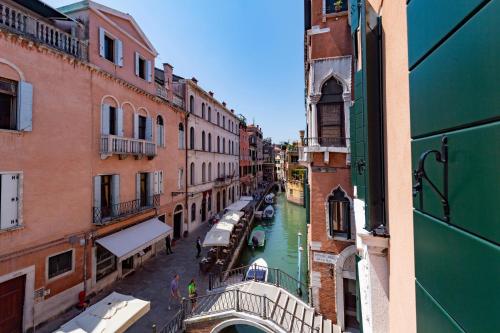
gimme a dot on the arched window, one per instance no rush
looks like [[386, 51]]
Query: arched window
[[181, 136], [224, 170], [223, 145], [218, 169], [203, 110], [191, 104], [203, 172], [210, 172], [191, 174], [209, 113], [191, 138], [218, 144], [203, 140], [218, 119], [223, 121], [209, 142], [160, 135], [193, 212], [339, 214], [331, 121]]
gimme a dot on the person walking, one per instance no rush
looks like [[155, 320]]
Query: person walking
[[192, 294], [168, 245], [198, 247], [175, 295]]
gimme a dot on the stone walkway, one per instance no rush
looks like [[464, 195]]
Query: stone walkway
[[151, 282]]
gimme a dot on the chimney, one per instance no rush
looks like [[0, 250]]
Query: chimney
[[195, 80], [168, 71], [211, 93], [224, 104], [232, 111]]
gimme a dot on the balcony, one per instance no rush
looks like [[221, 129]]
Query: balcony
[[105, 215], [223, 181], [21, 23], [123, 147]]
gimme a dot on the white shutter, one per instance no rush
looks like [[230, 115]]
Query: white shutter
[[119, 52], [136, 57], [136, 126], [149, 129], [155, 183], [148, 71], [138, 186], [119, 121], [150, 180], [105, 119], [115, 193], [9, 200], [101, 42], [97, 191], [25, 107], [160, 182]]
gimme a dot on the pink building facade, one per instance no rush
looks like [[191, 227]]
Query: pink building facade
[[89, 136]]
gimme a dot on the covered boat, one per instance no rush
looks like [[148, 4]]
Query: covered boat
[[257, 237], [257, 271], [268, 212], [269, 199]]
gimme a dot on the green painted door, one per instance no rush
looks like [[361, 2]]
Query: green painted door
[[453, 49]]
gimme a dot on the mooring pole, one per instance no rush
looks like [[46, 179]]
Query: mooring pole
[[299, 261]]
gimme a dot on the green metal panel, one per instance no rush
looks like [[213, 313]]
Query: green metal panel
[[473, 179], [431, 316], [458, 84], [460, 271], [429, 21]]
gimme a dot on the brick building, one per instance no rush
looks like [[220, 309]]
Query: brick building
[[246, 176], [325, 152]]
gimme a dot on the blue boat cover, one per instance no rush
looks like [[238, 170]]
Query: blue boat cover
[[257, 274]]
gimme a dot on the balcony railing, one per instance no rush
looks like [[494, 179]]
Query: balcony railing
[[223, 181], [112, 144], [22, 23], [104, 215], [326, 142], [161, 91]]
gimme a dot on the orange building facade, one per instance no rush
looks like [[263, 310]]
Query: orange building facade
[[89, 136]]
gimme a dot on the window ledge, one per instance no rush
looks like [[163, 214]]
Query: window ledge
[[337, 14], [19, 227], [9, 131]]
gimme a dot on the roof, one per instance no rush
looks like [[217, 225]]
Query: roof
[[160, 76], [43, 9]]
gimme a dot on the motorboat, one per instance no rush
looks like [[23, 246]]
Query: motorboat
[[257, 271], [269, 199], [268, 212], [257, 237]]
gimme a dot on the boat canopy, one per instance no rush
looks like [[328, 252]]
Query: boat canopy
[[114, 313]]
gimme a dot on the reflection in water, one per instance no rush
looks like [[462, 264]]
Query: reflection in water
[[280, 250], [241, 329]]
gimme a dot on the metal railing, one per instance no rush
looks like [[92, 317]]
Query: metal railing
[[112, 144], [326, 141], [242, 301], [176, 324], [24, 24], [275, 277], [103, 215]]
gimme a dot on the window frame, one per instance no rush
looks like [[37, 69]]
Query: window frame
[[193, 212], [61, 275], [330, 202], [13, 113], [109, 37]]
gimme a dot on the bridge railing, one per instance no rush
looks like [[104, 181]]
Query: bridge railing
[[175, 325], [275, 277]]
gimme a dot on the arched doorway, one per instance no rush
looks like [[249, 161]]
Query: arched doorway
[[224, 199], [203, 209], [345, 288], [178, 221], [218, 202]]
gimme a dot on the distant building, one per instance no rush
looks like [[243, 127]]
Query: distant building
[[247, 183], [268, 167], [256, 153], [294, 174]]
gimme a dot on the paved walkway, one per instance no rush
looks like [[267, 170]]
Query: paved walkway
[[151, 282]]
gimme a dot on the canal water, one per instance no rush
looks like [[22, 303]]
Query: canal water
[[281, 248]]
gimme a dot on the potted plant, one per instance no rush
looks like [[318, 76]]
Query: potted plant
[[338, 5]]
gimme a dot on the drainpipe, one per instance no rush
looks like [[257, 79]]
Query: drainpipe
[[185, 160]]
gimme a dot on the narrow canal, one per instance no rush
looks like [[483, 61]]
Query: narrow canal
[[281, 248]]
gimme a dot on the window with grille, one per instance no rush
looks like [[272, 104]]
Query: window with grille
[[339, 221], [60, 263]]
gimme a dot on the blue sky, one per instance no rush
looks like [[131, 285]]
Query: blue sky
[[249, 52]]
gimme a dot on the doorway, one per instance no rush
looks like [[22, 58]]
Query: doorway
[[218, 202], [12, 304], [177, 222], [127, 266], [350, 304], [203, 209]]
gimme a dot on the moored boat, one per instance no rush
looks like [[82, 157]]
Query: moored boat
[[257, 237], [269, 199], [257, 271], [268, 212]]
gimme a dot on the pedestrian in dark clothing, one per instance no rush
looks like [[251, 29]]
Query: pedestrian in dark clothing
[[168, 245], [198, 247]]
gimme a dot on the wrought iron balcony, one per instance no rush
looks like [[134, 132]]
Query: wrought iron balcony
[[223, 181], [24, 24], [105, 215], [112, 144], [326, 142]]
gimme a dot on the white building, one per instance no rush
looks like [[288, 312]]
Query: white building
[[213, 155]]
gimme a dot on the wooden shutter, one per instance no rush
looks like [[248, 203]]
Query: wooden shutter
[[330, 120], [97, 191], [9, 200], [136, 126], [115, 193], [150, 180], [148, 71], [138, 186], [119, 122], [25, 107], [160, 182], [149, 129], [105, 119], [101, 41], [156, 182], [136, 58], [119, 52]]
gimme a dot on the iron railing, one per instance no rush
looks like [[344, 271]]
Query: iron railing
[[103, 215], [176, 324], [275, 277], [242, 301], [326, 141], [24, 24], [113, 144]]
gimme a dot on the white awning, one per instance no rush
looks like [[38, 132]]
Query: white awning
[[130, 241], [216, 238], [238, 205], [114, 313], [224, 226], [246, 198], [232, 217]]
